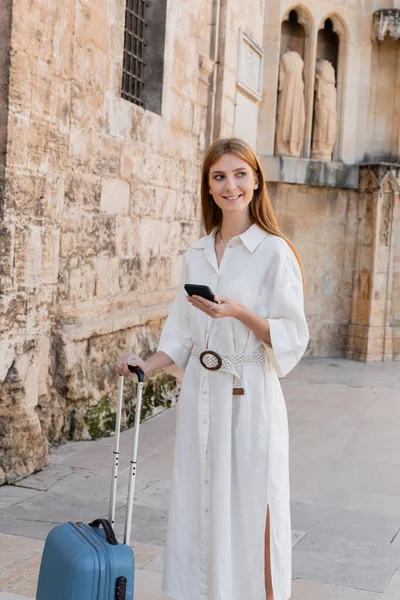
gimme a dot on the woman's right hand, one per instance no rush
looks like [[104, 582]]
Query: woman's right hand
[[129, 358]]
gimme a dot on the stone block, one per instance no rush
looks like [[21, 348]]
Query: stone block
[[21, 77], [83, 190], [107, 276], [115, 194], [41, 89], [50, 255], [310, 172], [82, 282], [161, 244], [7, 355], [119, 117], [28, 250], [6, 256], [126, 236], [17, 145]]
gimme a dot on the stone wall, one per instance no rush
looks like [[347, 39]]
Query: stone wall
[[102, 198], [5, 33], [322, 224]]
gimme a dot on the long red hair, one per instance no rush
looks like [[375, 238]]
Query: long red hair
[[261, 210]]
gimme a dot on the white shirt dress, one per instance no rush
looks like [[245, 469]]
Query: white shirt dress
[[231, 451]]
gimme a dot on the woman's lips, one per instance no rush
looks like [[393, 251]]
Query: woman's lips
[[232, 198]]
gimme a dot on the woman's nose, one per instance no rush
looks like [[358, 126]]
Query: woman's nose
[[230, 185]]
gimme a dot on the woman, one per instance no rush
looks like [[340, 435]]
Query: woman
[[229, 535]]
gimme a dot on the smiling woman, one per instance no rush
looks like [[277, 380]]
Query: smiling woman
[[229, 534]]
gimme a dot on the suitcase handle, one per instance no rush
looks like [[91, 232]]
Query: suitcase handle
[[108, 530], [133, 462], [138, 371]]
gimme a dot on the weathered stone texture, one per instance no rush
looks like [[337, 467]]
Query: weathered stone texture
[[101, 200], [322, 224]]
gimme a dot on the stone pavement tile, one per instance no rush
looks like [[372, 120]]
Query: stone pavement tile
[[148, 585], [26, 585], [303, 589], [396, 540], [337, 522], [8, 596], [149, 525], [84, 483], [392, 592], [155, 495], [156, 565], [297, 536], [375, 441], [15, 548], [54, 508], [373, 502], [364, 476], [96, 456], [46, 478], [20, 576], [145, 553], [311, 482], [61, 454], [12, 494], [31, 529], [350, 372], [355, 564]]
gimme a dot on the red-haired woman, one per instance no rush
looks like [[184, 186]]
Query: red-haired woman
[[229, 535]]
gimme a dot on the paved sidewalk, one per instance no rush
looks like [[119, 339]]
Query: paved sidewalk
[[345, 484]]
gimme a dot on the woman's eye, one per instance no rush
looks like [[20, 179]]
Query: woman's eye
[[219, 177], [242, 173]]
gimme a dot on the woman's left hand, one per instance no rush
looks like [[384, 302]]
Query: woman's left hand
[[222, 307]]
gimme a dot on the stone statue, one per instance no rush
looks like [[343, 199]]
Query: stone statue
[[325, 114], [291, 109]]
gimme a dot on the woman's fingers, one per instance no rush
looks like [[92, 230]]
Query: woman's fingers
[[121, 366]]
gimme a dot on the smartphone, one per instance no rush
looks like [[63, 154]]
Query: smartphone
[[199, 290]]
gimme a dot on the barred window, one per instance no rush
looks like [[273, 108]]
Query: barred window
[[143, 63], [134, 43]]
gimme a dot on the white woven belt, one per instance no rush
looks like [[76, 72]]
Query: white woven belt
[[212, 361]]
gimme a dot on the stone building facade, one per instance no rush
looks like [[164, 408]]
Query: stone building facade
[[99, 184]]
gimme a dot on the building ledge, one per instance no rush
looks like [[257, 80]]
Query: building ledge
[[305, 171]]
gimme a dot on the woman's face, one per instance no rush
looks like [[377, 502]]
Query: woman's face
[[232, 183]]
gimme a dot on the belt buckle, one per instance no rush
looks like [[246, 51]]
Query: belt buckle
[[215, 355]]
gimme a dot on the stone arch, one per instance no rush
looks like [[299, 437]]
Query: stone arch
[[390, 183], [339, 25], [305, 16]]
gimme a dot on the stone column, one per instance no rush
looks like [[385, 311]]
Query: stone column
[[374, 331]]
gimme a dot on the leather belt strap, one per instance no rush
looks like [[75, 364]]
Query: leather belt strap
[[212, 361]]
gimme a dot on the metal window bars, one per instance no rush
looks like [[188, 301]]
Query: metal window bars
[[134, 44]]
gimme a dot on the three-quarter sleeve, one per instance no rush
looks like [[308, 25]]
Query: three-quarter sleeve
[[285, 313], [176, 339]]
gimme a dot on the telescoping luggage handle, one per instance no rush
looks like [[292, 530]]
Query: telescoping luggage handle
[[133, 462]]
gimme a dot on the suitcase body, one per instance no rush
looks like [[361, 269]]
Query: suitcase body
[[85, 561], [79, 564]]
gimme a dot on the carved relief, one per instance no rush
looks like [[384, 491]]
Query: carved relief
[[368, 220], [291, 108], [386, 22], [386, 212], [325, 115]]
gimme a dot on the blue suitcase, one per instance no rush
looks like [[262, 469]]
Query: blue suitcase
[[85, 561]]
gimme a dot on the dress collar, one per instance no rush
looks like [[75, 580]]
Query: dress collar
[[251, 238]]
